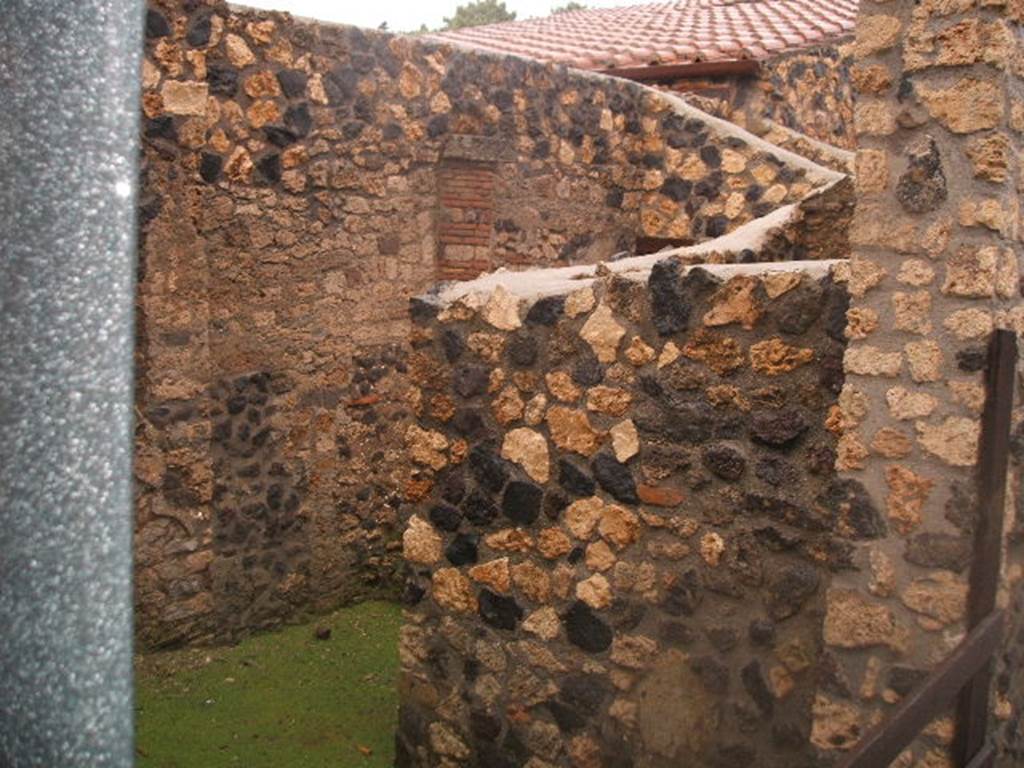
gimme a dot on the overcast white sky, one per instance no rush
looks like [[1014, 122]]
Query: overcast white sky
[[405, 15]]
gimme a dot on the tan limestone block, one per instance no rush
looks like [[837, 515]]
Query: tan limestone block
[[544, 623], [940, 596], [582, 517], [969, 394], [850, 452], [872, 171], [508, 406], [990, 157], [262, 84], [906, 405], [924, 358], [260, 113], [852, 621], [552, 543], [599, 556], [876, 33], [873, 117], [712, 547], [618, 526], [603, 334], [916, 272], [486, 346], [571, 430], [634, 651], [494, 573], [773, 357], [912, 312], [865, 360], [835, 725], [873, 79], [561, 385], [779, 283], [721, 354], [860, 322], [969, 105], [421, 543], [971, 272], [238, 51], [891, 443], [608, 400], [533, 582], [908, 493], [533, 414], [453, 591], [735, 302], [528, 449], [638, 352], [184, 98], [510, 540], [954, 440], [625, 440], [883, 574], [968, 324], [595, 591], [502, 310]]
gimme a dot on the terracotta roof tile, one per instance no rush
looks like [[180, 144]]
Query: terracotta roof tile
[[685, 31]]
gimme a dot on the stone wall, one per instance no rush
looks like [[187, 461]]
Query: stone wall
[[807, 91], [630, 516], [300, 183], [935, 268]]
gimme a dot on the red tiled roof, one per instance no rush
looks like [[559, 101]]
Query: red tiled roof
[[681, 32]]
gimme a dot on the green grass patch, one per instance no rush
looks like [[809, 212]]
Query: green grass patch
[[278, 700]]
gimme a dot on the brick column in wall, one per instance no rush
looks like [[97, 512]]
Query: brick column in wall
[[465, 225], [934, 269]]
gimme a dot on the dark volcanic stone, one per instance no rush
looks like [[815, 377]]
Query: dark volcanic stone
[[851, 505], [463, 549], [677, 189], [293, 82], [722, 639], [522, 349], [757, 687], [199, 31], [784, 511], [546, 311], [444, 517], [453, 488], [452, 344], [554, 503], [587, 371], [470, 380], [488, 468], [778, 428], [922, 187], [796, 310], [680, 422], [279, 136], [903, 679], [939, 550], [479, 510], [676, 633], [298, 119], [210, 166], [789, 589], [499, 611], [615, 478], [574, 480], [156, 24], [684, 595], [713, 674], [222, 79], [669, 311], [585, 630], [776, 471], [972, 359], [762, 632], [724, 461], [468, 422], [521, 502], [269, 167]]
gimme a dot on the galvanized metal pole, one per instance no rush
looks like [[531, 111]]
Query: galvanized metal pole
[[69, 85]]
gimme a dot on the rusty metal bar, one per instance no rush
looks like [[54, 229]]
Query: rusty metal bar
[[993, 457], [883, 744]]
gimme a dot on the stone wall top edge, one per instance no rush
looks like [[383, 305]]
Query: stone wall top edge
[[816, 173]]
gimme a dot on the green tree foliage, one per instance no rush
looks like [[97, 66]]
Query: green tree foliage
[[571, 6], [480, 12]]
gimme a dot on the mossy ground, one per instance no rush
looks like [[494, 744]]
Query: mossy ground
[[277, 700]]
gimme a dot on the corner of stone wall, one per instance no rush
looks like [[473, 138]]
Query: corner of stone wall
[[935, 267]]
